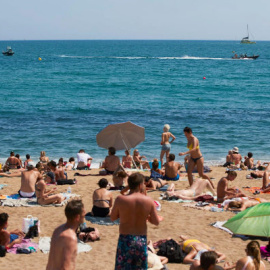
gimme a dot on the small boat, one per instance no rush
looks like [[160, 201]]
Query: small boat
[[8, 52], [245, 56], [245, 40]]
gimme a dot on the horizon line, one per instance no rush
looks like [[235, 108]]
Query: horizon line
[[8, 40]]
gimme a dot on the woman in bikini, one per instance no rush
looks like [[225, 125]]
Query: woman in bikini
[[102, 200], [166, 144], [196, 157], [127, 160], [43, 195], [253, 259], [195, 248]]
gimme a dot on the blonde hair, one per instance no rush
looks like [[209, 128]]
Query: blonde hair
[[235, 204], [166, 127], [253, 249], [42, 154]]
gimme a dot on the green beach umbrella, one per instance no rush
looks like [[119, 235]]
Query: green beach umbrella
[[252, 221]]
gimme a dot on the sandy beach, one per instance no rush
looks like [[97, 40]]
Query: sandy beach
[[177, 220]]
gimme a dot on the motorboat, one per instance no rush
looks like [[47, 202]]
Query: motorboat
[[245, 40], [245, 56], [8, 52]]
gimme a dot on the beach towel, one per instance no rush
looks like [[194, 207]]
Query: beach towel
[[16, 201], [102, 220], [2, 186], [45, 243], [254, 189], [26, 243], [176, 200]]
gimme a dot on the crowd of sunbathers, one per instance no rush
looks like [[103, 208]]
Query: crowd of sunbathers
[[36, 177]]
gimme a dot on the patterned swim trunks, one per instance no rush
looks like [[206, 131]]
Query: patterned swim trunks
[[131, 252]]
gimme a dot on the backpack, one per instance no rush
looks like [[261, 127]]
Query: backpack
[[172, 251]]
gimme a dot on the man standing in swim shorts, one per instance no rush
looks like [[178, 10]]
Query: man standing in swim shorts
[[63, 251], [133, 210]]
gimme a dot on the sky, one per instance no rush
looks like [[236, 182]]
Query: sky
[[134, 19]]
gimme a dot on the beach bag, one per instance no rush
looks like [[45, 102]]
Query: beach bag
[[3, 251], [30, 221], [172, 251], [204, 198], [66, 182]]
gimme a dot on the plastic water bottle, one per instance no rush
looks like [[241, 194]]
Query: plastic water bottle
[[69, 189]]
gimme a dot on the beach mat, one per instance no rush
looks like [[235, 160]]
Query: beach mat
[[15, 201], [101, 220], [45, 243], [253, 189], [26, 243]]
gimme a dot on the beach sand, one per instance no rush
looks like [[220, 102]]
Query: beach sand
[[177, 220]]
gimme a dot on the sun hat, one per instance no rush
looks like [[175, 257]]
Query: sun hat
[[235, 150]]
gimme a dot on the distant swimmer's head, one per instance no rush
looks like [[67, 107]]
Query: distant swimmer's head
[[135, 180], [166, 128], [171, 157], [103, 183], [111, 151]]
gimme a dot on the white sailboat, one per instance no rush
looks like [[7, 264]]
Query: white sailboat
[[245, 40]]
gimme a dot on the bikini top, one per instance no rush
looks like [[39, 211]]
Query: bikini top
[[190, 147], [102, 201], [249, 260], [187, 243]]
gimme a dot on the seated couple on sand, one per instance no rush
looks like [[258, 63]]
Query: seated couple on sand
[[197, 189]]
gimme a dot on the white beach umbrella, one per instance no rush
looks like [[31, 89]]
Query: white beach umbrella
[[121, 136]]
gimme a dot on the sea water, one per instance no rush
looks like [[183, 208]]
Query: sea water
[[59, 103]]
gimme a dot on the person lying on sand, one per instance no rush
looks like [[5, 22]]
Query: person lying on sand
[[194, 249], [9, 239], [197, 189], [244, 204], [88, 234], [43, 195], [102, 200], [224, 192], [208, 262], [152, 184]]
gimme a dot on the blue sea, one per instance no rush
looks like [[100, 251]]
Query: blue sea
[[60, 103]]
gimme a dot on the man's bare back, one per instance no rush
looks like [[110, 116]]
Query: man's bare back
[[171, 169], [29, 179], [236, 158], [63, 249], [134, 210]]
